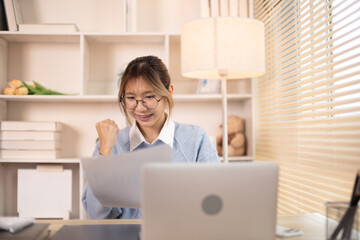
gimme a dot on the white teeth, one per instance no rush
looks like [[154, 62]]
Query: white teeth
[[145, 116]]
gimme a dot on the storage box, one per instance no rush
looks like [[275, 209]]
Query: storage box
[[45, 192]]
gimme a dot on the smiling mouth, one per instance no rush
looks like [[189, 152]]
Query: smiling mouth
[[144, 117]]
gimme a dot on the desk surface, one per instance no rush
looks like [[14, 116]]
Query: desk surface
[[313, 225]]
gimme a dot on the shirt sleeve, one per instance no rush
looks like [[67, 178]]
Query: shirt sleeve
[[207, 152]]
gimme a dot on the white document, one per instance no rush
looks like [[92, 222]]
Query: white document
[[116, 180]]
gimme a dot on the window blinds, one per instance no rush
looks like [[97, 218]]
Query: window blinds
[[308, 102]]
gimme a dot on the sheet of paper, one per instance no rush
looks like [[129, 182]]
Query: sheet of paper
[[116, 180]]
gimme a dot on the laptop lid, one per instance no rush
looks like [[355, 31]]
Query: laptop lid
[[209, 201], [116, 179]]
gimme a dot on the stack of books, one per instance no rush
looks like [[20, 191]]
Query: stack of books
[[30, 140]]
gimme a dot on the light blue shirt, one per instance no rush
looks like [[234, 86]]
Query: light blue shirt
[[189, 143]]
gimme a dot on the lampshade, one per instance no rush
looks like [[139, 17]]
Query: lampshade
[[234, 44]]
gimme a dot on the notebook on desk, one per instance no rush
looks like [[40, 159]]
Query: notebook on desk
[[209, 201]]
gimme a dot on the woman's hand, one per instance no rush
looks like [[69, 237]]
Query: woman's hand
[[107, 131]]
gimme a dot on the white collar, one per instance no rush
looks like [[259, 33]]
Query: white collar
[[166, 134]]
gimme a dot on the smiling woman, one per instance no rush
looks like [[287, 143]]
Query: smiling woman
[[145, 94]]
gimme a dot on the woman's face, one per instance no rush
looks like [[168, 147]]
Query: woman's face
[[146, 118]]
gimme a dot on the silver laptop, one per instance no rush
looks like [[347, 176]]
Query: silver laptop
[[209, 201], [116, 180]]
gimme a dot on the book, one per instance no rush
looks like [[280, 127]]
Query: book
[[131, 15], [49, 27], [224, 8], [18, 13], [29, 144], [234, 8], [10, 15], [30, 126], [29, 154], [30, 135], [205, 8], [214, 8], [3, 21], [36, 231]]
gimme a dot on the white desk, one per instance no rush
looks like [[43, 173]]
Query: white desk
[[312, 224]]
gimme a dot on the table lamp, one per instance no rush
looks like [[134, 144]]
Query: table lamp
[[223, 48]]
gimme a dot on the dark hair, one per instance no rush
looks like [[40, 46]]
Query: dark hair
[[152, 70]]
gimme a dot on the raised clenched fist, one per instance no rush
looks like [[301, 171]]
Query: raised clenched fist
[[107, 131]]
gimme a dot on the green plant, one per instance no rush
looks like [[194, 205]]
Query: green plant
[[41, 90]]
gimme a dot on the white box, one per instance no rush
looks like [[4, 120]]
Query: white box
[[44, 194]]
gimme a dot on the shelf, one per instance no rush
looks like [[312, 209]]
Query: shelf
[[57, 160], [100, 37], [113, 98]]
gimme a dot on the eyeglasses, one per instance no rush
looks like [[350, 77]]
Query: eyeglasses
[[149, 102]]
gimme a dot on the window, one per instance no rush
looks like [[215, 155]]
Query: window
[[308, 102]]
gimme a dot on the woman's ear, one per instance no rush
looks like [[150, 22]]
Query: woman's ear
[[171, 89]]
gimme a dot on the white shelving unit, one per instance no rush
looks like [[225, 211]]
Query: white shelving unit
[[86, 65]]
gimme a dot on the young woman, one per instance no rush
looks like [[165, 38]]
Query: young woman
[[145, 93]]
